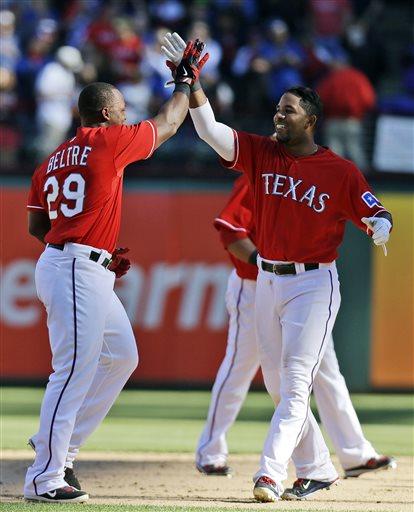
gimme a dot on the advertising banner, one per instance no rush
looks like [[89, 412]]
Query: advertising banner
[[174, 293]]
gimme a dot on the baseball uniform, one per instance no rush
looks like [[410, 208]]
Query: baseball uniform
[[242, 360], [93, 346], [300, 207]]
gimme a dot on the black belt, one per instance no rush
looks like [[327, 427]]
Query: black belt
[[283, 269], [94, 255]]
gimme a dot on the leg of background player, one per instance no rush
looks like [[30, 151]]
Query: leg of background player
[[118, 360], [338, 414], [236, 372], [77, 311]]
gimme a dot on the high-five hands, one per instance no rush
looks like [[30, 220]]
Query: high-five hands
[[380, 229], [183, 59]]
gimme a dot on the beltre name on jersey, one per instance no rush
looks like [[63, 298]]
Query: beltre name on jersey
[[70, 156]]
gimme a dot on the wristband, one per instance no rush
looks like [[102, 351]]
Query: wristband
[[181, 87], [196, 86], [253, 257]]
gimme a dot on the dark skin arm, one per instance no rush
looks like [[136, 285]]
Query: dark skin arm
[[39, 224], [197, 98], [242, 249], [170, 117]]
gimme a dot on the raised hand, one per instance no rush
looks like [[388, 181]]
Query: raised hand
[[188, 69], [173, 48]]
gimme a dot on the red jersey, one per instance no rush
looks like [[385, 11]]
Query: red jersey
[[80, 184], [301, 204], [235, 222]]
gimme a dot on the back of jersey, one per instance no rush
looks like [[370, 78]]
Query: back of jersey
[[80, 184]]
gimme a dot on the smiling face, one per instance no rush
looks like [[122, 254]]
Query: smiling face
[[292, 123]]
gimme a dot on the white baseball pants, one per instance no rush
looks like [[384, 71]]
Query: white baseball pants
[[93, 354], [240, 365]]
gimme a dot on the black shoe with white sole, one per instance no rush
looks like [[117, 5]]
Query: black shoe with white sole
[[70, 477], [374, 464], [304, 487], [66, 494]]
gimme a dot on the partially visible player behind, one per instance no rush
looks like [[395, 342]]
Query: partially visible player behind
[[241, 361], [75, 209]]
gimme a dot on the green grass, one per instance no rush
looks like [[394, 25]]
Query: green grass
[[171, 421]]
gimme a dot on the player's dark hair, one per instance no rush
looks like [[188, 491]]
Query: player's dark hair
[[93, 98], [309, 100]]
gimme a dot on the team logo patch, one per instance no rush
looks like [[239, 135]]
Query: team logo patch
[[370, 200]]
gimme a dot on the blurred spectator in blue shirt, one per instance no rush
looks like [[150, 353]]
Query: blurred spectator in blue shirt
[[402, 103], [281, 58]]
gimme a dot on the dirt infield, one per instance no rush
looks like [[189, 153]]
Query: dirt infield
[[170, 479]]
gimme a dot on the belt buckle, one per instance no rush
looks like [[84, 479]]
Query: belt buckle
[[275, 265]]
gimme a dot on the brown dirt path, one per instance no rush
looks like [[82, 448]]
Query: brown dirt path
[[170, 479]]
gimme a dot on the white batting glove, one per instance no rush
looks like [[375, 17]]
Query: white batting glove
[[380, 228], [173, 47]]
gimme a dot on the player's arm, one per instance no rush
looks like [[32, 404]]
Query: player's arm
[[38, 224], [173, 112], [238, 244], [244, 250], [217, 135]]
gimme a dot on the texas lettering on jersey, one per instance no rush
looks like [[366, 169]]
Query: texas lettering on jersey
[[275, 184], [301, 203]]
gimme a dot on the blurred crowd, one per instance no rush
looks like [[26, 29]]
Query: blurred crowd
[[359, 58]]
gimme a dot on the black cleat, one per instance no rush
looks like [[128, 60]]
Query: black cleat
[[62, 495], [374, 464], [304, 487], [71, 479], [212, 470]]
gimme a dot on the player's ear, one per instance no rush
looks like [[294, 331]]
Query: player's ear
[[106, 113], [311, 122]]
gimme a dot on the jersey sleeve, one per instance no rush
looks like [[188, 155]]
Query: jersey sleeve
[[228, 236], [361, 202], [35, 198], [135, 142], [235, 220], [247, 149]]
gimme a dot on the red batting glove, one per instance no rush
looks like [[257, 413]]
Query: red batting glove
[[119, 265], [188, 70]]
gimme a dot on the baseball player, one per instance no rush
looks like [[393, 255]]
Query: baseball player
[[356, 454], [74, 208], [303, 194]]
